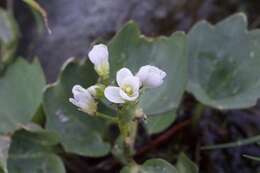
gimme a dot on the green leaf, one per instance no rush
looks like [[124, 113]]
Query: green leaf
[[39, 117], [8, 36], [80, 133], [131, 49], [185, 165], [33, 153], [151, 166], [21, 89], [224, 63], [158, 123]]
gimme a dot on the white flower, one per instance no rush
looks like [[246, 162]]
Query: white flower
[[128, 89], [151, 76], [84, 99], [98, 55]]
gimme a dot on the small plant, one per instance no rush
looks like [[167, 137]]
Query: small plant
[[125, 96]]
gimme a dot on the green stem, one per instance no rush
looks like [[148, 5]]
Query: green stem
[[107, 117], [127, 125], [128, 133], [104, 79]]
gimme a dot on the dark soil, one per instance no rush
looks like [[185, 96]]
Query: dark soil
[[75, 24]]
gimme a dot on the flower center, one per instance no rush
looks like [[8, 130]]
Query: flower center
[[128, 90]]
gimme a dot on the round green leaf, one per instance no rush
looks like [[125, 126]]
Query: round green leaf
[[151, 166], [80, 133], [224, 63], [131, 49], [21, 89], [33, 153]]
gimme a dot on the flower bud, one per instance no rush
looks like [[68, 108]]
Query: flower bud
[[98, 55]]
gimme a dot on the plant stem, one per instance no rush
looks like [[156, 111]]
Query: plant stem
[[128, 128], [107, 117], [127, 144], [104, 80]]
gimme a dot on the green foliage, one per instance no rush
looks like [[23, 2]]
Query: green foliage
[[8, 37], [184, 165], [224, 63], [21, 89], [79, 133], [132, 50], [151, 166], [39, 117], [32, 152], [158, 123]]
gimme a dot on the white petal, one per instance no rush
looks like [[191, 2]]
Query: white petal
[[98, 54], [73, 101], [79, 103], [83, 100], [113, 94], [154, 81], [143, 72], [122, 74], [151, 76], [78, 89], [80, 94], [132, 81], [127, 97], [156, 70]]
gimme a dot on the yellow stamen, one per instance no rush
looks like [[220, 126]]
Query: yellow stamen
[[128, 90]]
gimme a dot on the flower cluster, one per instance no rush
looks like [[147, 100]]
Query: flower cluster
[[129, 85]]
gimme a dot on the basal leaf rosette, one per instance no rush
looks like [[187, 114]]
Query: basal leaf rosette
[[79, 133], [132, 50], [224, 62]]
